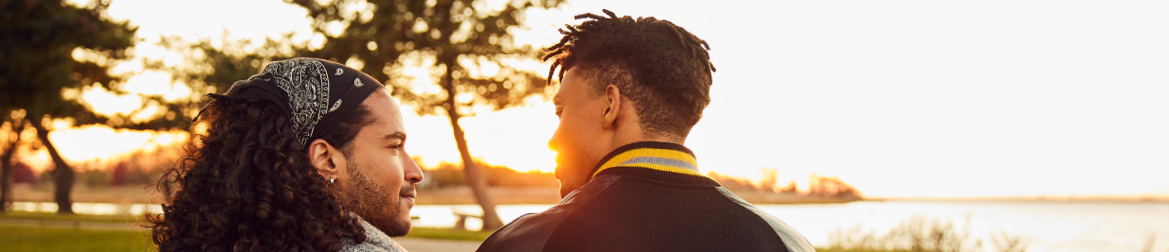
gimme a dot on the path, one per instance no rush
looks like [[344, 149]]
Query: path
[[429, 245]]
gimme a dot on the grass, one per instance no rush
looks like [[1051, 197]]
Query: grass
[[448, 234], [67, 239], [51, 239], [919, 233]]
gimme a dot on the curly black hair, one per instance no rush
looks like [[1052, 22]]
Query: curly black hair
[[246, 185], [663, 68]]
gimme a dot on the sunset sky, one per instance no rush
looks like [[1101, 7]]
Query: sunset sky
[[898, 98]]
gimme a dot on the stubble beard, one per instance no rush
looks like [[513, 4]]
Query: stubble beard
[[369, 200]]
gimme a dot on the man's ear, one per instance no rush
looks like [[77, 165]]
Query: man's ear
[[320, 153], [612, 105]]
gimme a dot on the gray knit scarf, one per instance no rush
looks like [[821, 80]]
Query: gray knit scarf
[[376, 240]]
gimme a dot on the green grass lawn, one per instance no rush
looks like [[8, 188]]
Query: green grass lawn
[[67, 239], [448, 234]]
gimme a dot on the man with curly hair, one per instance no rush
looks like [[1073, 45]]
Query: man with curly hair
[[630, 91], [308, 155]]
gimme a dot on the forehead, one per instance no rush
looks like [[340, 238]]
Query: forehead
[[573, 85], [386, 113]]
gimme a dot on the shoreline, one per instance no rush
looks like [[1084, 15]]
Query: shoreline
[[1069, 199], [144, 194], [461, 195]]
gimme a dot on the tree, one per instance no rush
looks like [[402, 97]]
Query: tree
[[460, 42], [209, 69], [15, 120], [40, 39]]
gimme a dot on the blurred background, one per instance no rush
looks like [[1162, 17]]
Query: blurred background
[[866, 125]]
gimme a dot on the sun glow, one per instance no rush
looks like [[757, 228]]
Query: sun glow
[[893, 98], [514, 137], [157, 83], [105, 102], [100, 144]]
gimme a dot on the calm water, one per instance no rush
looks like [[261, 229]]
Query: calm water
[[1047, 226]]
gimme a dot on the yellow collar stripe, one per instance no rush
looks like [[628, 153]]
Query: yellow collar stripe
[[657, 159]]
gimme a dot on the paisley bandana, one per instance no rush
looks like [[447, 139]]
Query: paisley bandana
[[317, 94]]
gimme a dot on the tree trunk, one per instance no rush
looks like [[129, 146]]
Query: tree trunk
[[62, 174], [6, 177], [476, 178], [6, 166]]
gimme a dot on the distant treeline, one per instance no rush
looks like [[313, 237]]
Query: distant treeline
[[135, 169], [143, 168], [446, 175], [451, 175], [818, 186]]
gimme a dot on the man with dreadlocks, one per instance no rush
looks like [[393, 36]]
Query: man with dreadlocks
[[630, 91], [308, 155]]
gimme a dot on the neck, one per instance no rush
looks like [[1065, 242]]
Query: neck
[[641, 136]]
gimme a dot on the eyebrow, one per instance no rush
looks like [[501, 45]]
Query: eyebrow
[[396, 135]]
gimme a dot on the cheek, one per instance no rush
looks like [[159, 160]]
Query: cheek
[[394, 173], [578, 128], [569, 138], [573, 144], [386, 170]]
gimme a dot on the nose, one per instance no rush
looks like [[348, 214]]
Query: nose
[[552, 141], [412, 172]]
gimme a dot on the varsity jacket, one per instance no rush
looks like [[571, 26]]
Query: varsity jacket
[[648, 196]]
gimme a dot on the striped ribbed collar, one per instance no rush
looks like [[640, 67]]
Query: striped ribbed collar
[[661, 156]]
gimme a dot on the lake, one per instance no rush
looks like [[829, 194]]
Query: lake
[[1046, 226]]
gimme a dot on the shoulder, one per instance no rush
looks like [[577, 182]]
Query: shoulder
[[386, 245], [526, 233], [376, 241], [531, 231], [791, 239]]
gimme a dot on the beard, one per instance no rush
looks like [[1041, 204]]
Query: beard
[[369, 200]]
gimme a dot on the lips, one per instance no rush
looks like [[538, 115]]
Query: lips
[[409, 196]]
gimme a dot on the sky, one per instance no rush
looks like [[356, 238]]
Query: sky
[[898, 98]]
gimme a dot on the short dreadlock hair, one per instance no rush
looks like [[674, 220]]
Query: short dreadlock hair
[[662, 68]]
